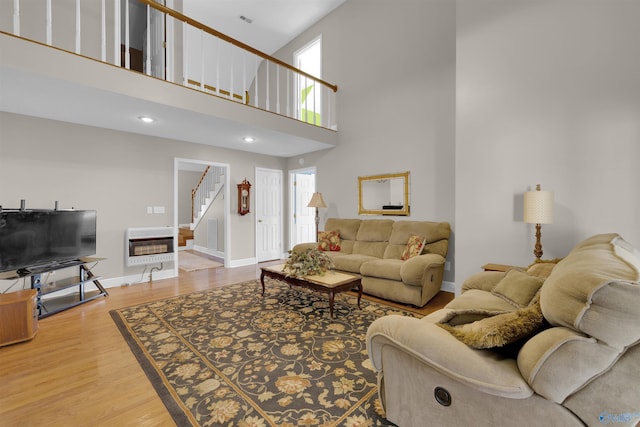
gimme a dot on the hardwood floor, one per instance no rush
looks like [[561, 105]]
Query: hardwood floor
[[78, 371]]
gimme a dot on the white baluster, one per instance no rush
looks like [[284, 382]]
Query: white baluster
[[103, 33], [185, 56], [255, 86], [288, 101], [277, 88], [218, 49], [116, 33], [78, 27], [127, 59], [49, 24], [202, 60], [267, 86], [147, 62], [16, 17], [232, 49]]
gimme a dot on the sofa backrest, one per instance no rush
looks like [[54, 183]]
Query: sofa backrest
[[386, 238], [373, 237], [436, 237]]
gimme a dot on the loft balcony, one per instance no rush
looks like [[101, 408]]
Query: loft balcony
[[202, 86]]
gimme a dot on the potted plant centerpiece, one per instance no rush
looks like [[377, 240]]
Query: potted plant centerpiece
[[308, 263]]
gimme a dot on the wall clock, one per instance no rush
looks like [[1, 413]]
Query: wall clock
[[243, 197]]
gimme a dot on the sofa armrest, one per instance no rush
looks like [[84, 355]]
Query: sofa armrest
[[481, 370], [484, 281], [414, 269], [300, 247]]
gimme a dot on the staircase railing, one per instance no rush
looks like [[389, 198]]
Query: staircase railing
[[211, 61], [210, 182]]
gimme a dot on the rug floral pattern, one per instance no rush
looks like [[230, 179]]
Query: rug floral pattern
[[231, 357]]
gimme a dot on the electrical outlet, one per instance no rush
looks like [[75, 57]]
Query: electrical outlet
[[447, 266], [158, 209], [149, 209]]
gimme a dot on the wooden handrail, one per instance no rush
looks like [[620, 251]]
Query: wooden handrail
[[195, 190], [179, 16]]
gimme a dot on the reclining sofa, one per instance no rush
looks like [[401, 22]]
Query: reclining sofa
[[374, 248], [478, 362]]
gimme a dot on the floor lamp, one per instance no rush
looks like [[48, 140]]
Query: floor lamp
[[317, 202], [538, 210]]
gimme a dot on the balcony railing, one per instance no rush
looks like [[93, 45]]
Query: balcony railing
[[145, 36]]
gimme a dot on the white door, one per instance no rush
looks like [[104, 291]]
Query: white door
[[304, 218], [155, 58], [268, 214]]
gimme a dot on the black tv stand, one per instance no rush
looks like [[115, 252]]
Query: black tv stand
[[79, 289]]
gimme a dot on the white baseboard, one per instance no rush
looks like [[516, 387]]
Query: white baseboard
[[242, 262], [448, 287], [208, 251], [138, 278]]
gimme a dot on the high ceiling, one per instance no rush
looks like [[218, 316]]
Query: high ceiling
[[269, 24]]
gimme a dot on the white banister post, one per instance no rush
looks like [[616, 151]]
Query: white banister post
[[103, 33], [78, 27], [147, 61], [244, 77], [288, 94], [16, 17], [49, 24]]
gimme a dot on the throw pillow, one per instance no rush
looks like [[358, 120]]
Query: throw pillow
[[329, 240], [501, 329], [517, 288], [414, 247]]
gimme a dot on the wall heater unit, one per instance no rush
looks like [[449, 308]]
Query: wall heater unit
[[149, 245]]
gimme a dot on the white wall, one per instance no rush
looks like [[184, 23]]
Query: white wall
[[548, 92], [394, 64], [116, 173]]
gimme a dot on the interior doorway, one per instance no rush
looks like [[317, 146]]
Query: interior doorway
[[301, 218], [268, 187], [212, 234]]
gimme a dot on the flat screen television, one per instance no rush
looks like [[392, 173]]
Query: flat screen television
[[33, 240]]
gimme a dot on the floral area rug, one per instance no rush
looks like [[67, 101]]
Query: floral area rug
[[232, 357]]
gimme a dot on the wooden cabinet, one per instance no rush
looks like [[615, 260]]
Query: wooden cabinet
[[18, 316]]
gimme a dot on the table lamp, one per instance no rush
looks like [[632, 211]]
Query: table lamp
[[538, 210], [317, 202]]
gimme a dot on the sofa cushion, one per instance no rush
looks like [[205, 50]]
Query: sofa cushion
[[383, 268], [436, 234], [596, 292], [481, 300], [329, 240], [517, 288], [414, 247], [351, 262], [498, 330], [374, 249]]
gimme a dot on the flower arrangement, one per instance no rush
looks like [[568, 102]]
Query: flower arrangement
[[307, 263]]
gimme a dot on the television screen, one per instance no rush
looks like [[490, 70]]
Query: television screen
[[35, 239]]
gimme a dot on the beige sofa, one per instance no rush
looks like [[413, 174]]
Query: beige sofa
[[373, 249], [580, 367]]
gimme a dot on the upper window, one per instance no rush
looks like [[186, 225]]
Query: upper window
[[308, 95]]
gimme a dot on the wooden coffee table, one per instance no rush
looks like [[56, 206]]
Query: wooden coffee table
[[332, 282]]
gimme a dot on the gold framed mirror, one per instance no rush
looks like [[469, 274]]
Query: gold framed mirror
[[385, 194]]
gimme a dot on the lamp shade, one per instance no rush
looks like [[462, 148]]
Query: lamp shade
[[538, 207], [317, 201]]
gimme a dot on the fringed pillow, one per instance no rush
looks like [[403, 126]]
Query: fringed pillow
[[501, 329], [329, 240], [414, 247]]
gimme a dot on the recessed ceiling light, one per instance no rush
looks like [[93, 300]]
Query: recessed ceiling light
[[146, 119], [249, 139]]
